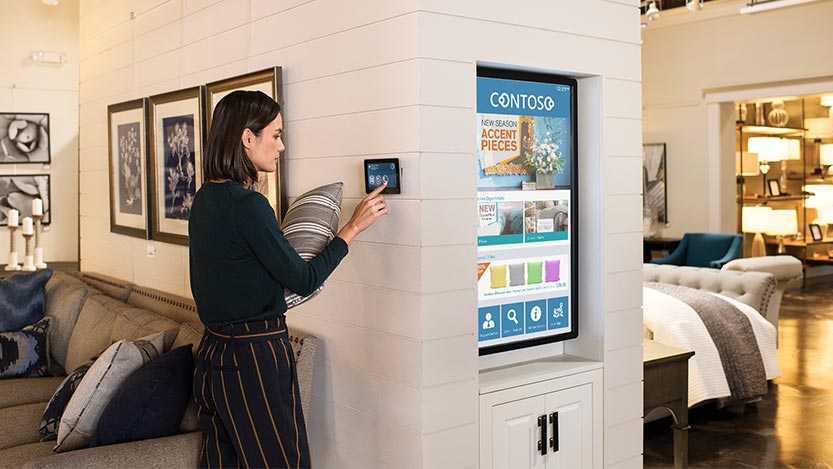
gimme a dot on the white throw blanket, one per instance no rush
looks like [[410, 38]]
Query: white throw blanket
[[674, 323]]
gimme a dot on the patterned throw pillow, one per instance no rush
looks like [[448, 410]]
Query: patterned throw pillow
[[102, 380], [310, 223], [24, 354], [22, 299], [55, 408]]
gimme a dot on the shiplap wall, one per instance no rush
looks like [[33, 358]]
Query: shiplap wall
[[26, 86], [396, 380]]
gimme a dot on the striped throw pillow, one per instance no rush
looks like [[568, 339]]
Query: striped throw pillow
[[310, 223]]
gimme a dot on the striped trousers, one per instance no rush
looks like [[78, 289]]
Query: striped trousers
[[248, 401]]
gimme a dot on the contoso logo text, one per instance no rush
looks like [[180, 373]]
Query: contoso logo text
[[522, 101]]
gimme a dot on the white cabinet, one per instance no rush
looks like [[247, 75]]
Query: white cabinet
[[549, 424]]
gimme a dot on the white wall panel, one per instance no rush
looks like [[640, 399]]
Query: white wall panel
[[448, 406], [623, 290], [623, 252], [456, 447], [160, 16], [440, 220], [221, 49], [447, 314], [158, 41], [447, 175], [623, 367], [628, 325], [623, 175], [214, 20], [446, 360], [623, 98], [625, 213], [623, 137], [448, 268], [620, 441]]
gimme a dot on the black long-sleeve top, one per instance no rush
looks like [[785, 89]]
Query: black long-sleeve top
[[241, 261]]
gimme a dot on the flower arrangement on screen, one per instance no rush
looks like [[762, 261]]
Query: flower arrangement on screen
[[546, 155]]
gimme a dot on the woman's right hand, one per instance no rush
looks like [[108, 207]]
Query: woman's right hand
[[366, 213]]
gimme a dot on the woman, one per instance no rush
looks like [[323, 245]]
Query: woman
[[245, 382]]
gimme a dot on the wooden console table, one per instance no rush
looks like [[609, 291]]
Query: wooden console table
[[665, 384]]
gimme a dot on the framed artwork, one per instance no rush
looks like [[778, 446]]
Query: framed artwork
[[268, 81], [18, 191], [176, 136], [24, 138], [127, 137], [654, 181], [774, 187], [815, 232]]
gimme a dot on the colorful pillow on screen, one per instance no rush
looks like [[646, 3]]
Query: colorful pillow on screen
[[534, 272], [22, 299], [553, 269], [517, 274], [103, 379], [55, 408], [498, 275], [150, 404], [310, 223], [24, 354]]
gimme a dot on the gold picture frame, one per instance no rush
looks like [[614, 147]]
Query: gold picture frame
[[269, 81], [176, 124], [127, 137]]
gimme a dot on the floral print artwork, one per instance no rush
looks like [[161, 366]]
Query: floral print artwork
[[180, 170], [24, 138], [130, 169]]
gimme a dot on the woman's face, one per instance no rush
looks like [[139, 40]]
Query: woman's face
[[264, 149]]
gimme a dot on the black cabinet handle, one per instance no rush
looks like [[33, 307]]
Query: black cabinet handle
[[542, 443], [554, 437]]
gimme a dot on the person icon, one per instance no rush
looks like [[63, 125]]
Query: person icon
[[489, 323]]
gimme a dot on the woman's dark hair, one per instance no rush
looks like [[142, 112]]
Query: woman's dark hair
[[224, 156]]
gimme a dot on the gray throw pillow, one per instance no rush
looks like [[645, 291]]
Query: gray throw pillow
[[310, 223], [517, 275]]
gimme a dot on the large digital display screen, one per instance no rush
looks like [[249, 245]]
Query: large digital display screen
[[526, 209]]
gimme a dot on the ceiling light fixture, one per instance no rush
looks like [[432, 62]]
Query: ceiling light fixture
[[51, 3], [694, 5], [652, 12], [763, 5]]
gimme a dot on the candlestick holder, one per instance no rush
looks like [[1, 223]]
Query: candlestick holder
[[39, 263], [29, 259], [11, 264]]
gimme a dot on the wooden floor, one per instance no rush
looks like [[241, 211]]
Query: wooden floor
[[791, 426]]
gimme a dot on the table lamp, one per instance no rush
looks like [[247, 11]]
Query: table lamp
[[826, 157], [769, 149], [784, 223], [757, 220]]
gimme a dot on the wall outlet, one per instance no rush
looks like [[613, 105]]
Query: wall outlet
[[151, 250]]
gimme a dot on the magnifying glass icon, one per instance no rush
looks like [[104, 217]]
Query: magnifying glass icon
[[512, 316]]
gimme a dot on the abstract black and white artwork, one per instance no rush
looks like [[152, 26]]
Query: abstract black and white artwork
[[127, 133], [654, 181], [180, 166], [24, 138], [18, 192]]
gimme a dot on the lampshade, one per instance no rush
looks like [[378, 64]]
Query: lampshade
[[824, 215], [652, 12], [756, 219], [819, 127], [767, 148], [823, 195], [826, 154], [793, 148], [784, 223], [827, 100], [750, 164]]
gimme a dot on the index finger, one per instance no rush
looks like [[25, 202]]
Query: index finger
[[376, 191]]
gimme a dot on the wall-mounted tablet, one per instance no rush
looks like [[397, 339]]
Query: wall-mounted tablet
[[383, 170]]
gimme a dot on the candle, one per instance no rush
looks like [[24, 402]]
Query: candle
[[37, 207], [28, 227], [14, 218]]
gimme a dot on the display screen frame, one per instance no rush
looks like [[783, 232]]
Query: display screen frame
[[573, 228], [395, 189]]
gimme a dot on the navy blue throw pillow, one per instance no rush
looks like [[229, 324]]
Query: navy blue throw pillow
[[151, 403], [22, 300], [23, 353]]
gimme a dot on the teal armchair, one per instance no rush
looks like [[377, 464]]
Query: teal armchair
[[705, 250]]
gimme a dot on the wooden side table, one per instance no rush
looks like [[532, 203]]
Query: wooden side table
[[665, 384]]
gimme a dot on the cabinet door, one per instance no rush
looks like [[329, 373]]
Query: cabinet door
[[515, 434], [575, 428]]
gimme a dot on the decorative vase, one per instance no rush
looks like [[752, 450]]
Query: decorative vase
[[759, 114], [545, 180], [742, 113], [778, 116]]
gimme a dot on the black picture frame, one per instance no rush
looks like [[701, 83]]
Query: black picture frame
[[128, 142], [815, 232], [269, 81], [24, 138], [655, 180], [175, 114], [17, 192], [774, 187]]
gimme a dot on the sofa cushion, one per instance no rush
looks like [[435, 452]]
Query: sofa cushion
[[20, 425], [310, 223], [59, 400], [18, 456], [65, 296], [27, 390], [179, 309], [103, 379], [24, 353], [113, 287], [151, 402], [22, 299], [104, 320], [189, 333]]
